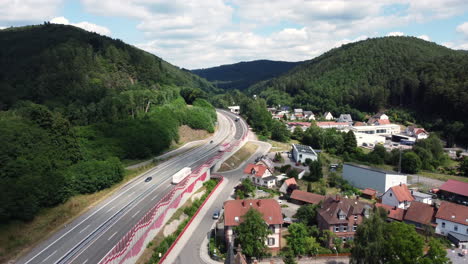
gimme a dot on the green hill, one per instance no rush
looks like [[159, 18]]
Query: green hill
[[375, 74], [244, 74]]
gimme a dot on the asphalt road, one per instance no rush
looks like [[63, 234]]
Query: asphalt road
[[191, 251], [89, 237]]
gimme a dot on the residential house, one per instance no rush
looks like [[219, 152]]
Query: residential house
[[452, 221], [398, 196], [288, 186], [234, 109], [285, 108], [328, 116], [260, 175], [292, 117], [393, 213], [301, 152], [345, 118], [455, 191], [378, 118], [369, 193], [299, 113], [234, 211], [308, 115], [420, 215], [417, 132], [342, 216], [302, 197], [332, 124], [361, 176], [292, 125], [272, 110], [358, 123], [267, 162], [422, 197]]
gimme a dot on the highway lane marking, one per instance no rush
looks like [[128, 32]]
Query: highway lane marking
[[112, 235], [131, 193], [111, 208], [84, 229], [49, 256], [85, 261], [135, 214], [219, 136]]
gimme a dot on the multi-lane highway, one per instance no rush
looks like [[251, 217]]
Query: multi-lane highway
[[89, 237]]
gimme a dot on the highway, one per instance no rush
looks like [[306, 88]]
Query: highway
[[90, 236]]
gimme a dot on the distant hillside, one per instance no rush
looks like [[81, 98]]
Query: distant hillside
[[375, 74], [244, 74], [59, 65]]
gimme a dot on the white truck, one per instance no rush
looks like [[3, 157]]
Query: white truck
[[180, 175]]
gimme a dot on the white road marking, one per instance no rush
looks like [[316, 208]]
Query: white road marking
[[131, 193], [111, 208], [136, 213], [85, 261], [84, 229], [112, 236], [49, 256]]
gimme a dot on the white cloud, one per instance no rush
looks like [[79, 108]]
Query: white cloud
[[463, 28], [27, 10], [203, 33], [396, 33], [425, 37], [2, 28], [84, 25]]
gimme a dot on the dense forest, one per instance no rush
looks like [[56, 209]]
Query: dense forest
[[73, 104], [244, 74], [424, 79]]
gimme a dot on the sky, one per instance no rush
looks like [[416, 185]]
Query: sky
[[205, 33]]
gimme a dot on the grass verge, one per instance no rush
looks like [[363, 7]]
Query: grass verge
[[18, 237], [281, 146], [240, 156], [442, 177]]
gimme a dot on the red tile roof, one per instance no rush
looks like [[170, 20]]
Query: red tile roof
[[418, 131], [369, 191], [258, 169], [332, 124], [299, 124], [453, 212], [393, 212], [235, 209], [402, 193], [359, 124], [290, 181], [419, 213], [307, 197], [384, 122], [456, 187]]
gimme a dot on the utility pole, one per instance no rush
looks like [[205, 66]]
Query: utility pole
[[399, 162]]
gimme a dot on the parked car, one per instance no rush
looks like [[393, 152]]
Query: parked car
[[148, 179], [216, 214]]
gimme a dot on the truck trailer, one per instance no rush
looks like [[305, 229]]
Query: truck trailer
[[180, 175]]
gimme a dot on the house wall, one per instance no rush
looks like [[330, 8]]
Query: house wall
[[423, 200], [389, 199], [450, 227], [301, 157], [262, 182], [378, 130], [364, 178], [394, 180], [276, 229]]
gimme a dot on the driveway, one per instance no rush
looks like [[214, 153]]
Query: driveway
[[453, 255]]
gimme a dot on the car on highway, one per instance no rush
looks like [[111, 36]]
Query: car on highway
[[148, 179], [211, 141], [216, 214]]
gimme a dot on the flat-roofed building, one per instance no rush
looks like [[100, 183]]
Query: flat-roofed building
[[362, 177], [384, 130], [302, 152]]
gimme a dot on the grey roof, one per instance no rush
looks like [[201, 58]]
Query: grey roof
[[345, 118], [459, 237], [308, 113], [420, 194], [298, 110], [304, 149], [372, 168]]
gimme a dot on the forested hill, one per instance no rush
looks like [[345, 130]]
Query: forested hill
[[67, 67], [376, 74], [244, 74]]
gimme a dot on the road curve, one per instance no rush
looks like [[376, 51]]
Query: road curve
[[90, 236]]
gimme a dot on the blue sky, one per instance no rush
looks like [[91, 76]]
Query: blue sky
[[205, 33]]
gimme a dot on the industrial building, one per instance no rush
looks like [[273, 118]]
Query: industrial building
[[301, 152], [362, 177]]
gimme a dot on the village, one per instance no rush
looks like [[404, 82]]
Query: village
[[281, 187]]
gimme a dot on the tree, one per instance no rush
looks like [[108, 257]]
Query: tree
[[298, 133], [297, 238], [279, 157], [410, 163], [311, 245], [436, 254], [307, 214], [315, 170], [350, 142], [402, 243], [369, 241], [289, 257], [279, 131], [246, 188], [464, 167], [252, 234]]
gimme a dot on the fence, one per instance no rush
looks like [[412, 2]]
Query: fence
[[132, 244]]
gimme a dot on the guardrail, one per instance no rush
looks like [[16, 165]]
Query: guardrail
[[132, 244]]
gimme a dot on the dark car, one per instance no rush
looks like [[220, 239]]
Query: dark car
[[216, 214], [148, 179], [211, 141]]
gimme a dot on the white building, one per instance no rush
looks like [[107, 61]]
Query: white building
[[270, 210], [368, 140], [234, 109], [260, 175], [452, 221], [422, 197], [328, 116], [383, 130], [362, 177], [301, 152], [398, 196]]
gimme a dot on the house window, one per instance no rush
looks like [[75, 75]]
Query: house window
[[354, 227], [391, 194], [467, 231], [342, 217], [271, 241], [337, 229], [264, 182], [345, 228], [455, 228], [355, 217], [344, 239], [443, 224]]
